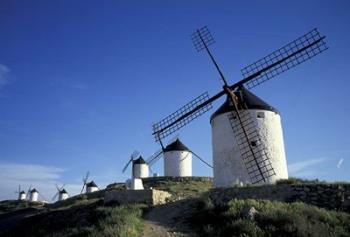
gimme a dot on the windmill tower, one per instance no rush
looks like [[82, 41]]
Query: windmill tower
[[247, 140], [21, 194], [34, 195], [61, 193], [140, 168], [177, 159], [228, 162], [91, 187]]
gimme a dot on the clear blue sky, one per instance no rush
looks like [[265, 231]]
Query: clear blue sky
[[82, 81]]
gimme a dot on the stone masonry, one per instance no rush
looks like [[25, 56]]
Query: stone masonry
[[150, 197], [331, 196]]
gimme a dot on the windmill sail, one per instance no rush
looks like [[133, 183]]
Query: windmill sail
[[283, 59], [182, 116], [252, 150]]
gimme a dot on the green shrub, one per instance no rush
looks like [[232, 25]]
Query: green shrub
[[271, 219]]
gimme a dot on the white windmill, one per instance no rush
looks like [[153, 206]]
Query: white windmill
[[34, 195], [62, 194], [21, 194], [140, 169], [90, 186], [246, 132], [177, 159]]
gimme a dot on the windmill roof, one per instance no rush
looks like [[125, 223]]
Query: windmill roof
[[139, 160], [34, 190], [63, 191], [91, 184], [248, 98], [22, 192], [177, 145]]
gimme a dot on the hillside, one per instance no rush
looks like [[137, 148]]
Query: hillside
[[190, 212]]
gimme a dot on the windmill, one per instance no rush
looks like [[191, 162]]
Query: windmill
[[34, 195], [21, 194], [177, 159], [244, 146], [140, 168], [91, 187], [85, 181], [62, 194], [28, 192]]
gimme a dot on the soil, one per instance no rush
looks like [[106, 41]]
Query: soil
[[169, 220]]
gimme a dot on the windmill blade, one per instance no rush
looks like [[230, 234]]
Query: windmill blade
[[58, 188], [42, 196], [283, 59], [28, 192], [127, 164], [82, 189], [85, 181], [55, 196], [202, 38], [87, 176], [19, 188], [252, 150], [154, 158], [135, 154], [202, 159], [184, 115]]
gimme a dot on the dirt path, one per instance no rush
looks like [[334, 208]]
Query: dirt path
[[168, 220]]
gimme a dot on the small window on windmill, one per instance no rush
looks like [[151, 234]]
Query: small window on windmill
[[232, 115], [260, 114], [254, 143]]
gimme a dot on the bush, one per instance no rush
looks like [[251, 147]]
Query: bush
[[271, 219], [86, 219]]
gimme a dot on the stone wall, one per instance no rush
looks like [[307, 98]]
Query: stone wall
[[150, 180], [330, 196], [150, 197]]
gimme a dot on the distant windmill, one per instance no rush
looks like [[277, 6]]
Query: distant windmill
[[177, 159], [246, 132], [62, 194], [28, 192], [140, 168], [34, 195], [21, 194], [85, 181], [91, 187]]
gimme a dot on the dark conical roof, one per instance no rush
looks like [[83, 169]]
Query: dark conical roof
[[63, 191], [22, 192], [246, 97], [34, 190], [139, 160], [91, 184], [177, 145]]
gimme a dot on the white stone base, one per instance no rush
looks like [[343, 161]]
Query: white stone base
[[134, 184]]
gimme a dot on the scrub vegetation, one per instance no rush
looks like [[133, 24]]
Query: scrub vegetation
[[190, 209], [259, 218]]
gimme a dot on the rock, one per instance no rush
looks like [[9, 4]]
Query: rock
[[250, 213]]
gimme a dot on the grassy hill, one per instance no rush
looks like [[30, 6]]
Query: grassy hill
[[190, 208]]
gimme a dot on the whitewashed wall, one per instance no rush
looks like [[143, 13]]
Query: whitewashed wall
[[229, 168], [22, 196], [34, 197], [140, 171], [91, 189], [62, 196], [177, 163]]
